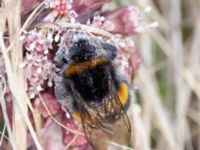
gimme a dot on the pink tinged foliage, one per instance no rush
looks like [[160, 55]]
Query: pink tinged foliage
[[122, 62], [86, 8], [69, 136], [124, 20], [50, 102], [82, 5], [51, 137], [53, 144], [27, 5], [128, 59], [134, 52]]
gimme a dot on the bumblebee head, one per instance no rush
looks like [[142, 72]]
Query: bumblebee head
[[82, 50]]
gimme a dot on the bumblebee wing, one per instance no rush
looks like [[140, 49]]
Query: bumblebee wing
[[118, 109], [100, 121], [117, 114], [83, 112], [92, 123]]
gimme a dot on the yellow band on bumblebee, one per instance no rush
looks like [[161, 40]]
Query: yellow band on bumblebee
[[123, 93], [88, 64], [78, 116]]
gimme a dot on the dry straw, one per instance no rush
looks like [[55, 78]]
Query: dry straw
[[171, 121]]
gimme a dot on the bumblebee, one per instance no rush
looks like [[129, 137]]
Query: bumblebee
[[90, 87]]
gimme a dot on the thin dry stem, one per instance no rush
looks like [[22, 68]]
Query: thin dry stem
[[56, 121], [149, 93]]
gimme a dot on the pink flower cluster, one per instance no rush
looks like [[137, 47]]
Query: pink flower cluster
[[50, 102], [127, 56], [61, 7], [39, 68], [124, 21], [68, 136]]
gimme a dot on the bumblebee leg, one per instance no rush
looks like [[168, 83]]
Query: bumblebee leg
[[61, 56], [63, 94]]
